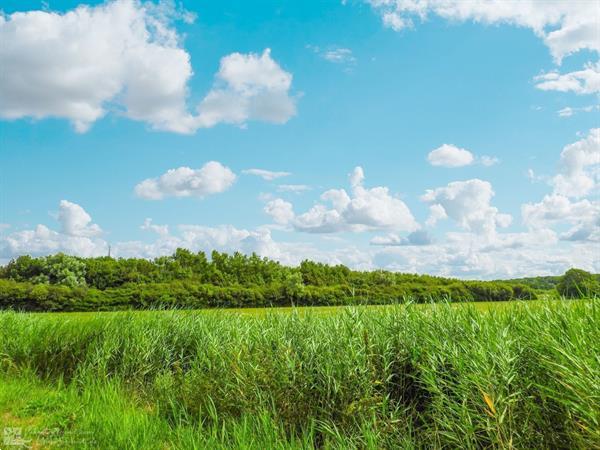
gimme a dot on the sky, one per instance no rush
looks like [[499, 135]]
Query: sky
[[449, 137]]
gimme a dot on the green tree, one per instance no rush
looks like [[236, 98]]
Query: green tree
[[577, 283], [65, 270]]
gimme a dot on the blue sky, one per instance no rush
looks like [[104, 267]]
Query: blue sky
[[97, 99]]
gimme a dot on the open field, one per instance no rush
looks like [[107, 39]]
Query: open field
[[316, 310], [522, 375]]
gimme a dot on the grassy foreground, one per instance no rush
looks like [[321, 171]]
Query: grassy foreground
[[394, 377]]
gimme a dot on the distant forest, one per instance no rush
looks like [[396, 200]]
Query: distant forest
[[193, 280]]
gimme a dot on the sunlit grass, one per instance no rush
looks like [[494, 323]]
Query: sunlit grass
[[321, 310], [514, 375]]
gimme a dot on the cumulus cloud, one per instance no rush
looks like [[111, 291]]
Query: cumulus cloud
[[578, 172], [248, 87], [362, 210], [565, 26], [578, 167], [419, 237], [281, 211], [467, 203], [71, 65], [77, 235], [585, 81], [449, 155], [268, 175], [75, 221], [211, 178], [556, 208], [436, 213], [125, 56]]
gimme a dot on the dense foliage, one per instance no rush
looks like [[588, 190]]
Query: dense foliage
[[577, 283], [191, 280], [523, 376], [545, 282]]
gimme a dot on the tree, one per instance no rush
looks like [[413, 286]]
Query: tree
[[64, 269], [577, 283]]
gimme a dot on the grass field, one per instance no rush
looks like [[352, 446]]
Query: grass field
[[523, 375], [317, 310]]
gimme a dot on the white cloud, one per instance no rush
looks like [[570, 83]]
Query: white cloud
[[268, 175], [534, 178], [77, 236], [556, 208], [565, 26], [449, 155], [488, 161], [211, 178], [436, 213], [339, 56], [419, 237], [539, 237], [569, 111], [335, 54], [71, 65], [281, 211], [125, 56], [579, 166], [161, 230], [585, 81], [578, 172], [566, 112], [583, 232], [248, 87], [75, 221], [296, 188], [503, 255], [467, 203], [364, 209]]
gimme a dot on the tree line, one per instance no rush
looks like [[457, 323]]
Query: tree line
[[193, 280]]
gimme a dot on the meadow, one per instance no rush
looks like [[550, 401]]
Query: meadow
[[501, 375]]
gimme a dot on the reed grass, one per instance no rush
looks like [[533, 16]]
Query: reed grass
[[394, 377]]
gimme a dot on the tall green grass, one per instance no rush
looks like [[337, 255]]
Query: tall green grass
[[399, 377]]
